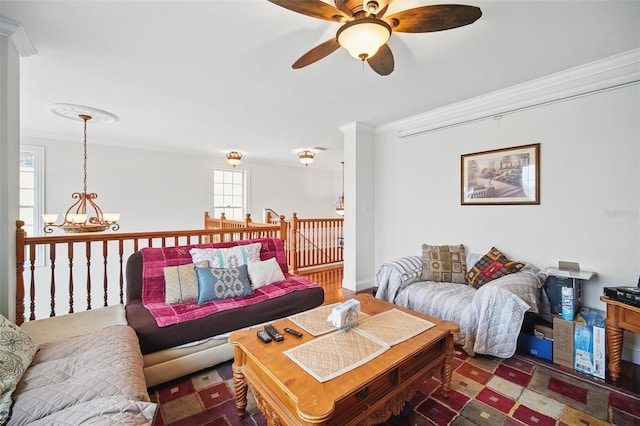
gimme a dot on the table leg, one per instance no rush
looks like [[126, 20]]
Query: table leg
[[239, 382], [447, 366], [614, 345]]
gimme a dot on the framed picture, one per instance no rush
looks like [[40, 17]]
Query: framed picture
[[501, 176]]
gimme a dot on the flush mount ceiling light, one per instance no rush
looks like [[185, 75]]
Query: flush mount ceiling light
[[77, 219], [363, 37], [365, 29], [234, 158], [306, 157]]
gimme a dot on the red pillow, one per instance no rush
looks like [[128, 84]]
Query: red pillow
[[491, 266]]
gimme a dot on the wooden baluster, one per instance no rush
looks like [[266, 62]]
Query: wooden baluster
[[20, 236], [52, 284], [294, 234], [32, 284], [121, 268], [105, 282], [88, 253], [70, 257]]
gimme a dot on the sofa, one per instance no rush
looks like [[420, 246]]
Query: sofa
[[179, 337], [486, 295], [80, 368]]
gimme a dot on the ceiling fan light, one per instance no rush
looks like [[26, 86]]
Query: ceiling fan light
[[234, 158], [363, 37], [306, 157]]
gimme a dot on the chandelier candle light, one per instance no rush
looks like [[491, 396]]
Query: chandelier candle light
[[77, 219]]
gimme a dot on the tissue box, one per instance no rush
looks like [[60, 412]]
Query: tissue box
[[341, 314]]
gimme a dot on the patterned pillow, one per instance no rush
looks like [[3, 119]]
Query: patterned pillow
[[181, 283], [17, 350], [230, 257], [222, 283], [265, 272], [444, 263], [491, 266]]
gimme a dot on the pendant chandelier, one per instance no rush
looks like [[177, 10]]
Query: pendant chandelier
[[340, 203], [77, 218]]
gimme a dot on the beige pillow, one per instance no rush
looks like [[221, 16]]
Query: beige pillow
[[265, 272], [17, 350], [444, 263], [181, 283]]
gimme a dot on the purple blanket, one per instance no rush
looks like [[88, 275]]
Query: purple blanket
[[156, 259]]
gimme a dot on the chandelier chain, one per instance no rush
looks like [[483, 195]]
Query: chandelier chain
[[85, 118]]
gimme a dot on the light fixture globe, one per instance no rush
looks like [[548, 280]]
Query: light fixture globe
[[363, 37], [306, 157], [234, 158]]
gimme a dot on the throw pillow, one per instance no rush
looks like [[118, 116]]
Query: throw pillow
[[265, 272], [230, 257], [492, 265], [181, 283], [17, 350], [444, 263], [222, 283]]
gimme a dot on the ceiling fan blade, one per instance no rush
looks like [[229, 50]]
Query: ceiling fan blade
[[439, 17], [382, 61], [314, 8], [317, 53]]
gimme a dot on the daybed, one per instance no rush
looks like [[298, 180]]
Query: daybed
[[490, 312], [179, 339], [88, 369]]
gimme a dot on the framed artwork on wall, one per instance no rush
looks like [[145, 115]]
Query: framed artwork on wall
[[501, 176]]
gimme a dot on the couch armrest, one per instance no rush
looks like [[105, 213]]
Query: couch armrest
[[64, 326]]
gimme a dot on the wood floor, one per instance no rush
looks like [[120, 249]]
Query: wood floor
[[331, 281]]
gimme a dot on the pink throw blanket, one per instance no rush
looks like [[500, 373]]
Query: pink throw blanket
[[156, 259]]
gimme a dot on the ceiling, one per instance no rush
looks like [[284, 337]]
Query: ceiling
[[211, 76]]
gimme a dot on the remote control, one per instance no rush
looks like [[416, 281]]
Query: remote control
[[292, 331], [274, 333], [262, 335]]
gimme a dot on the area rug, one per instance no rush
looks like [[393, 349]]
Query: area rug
[[485, 391]]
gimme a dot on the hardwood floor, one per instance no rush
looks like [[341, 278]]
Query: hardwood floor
[[331, 281]]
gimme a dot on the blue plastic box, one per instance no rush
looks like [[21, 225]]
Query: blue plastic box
[[535, 346]]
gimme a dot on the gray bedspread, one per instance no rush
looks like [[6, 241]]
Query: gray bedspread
[[95, 378], [490, 318]]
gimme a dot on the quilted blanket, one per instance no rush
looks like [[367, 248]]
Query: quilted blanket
[[153, 297], [95, 378], [490, 318]]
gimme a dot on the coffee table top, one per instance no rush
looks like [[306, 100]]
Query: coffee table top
[[313, 397]]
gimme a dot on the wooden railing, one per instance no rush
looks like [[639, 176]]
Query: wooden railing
[[97, 260], [308, 242]]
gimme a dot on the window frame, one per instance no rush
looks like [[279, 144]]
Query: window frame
[[38, 152], [245, 193]]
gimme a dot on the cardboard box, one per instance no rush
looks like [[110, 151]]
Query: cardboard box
[[563, 342], [535, 346], [590, 352]]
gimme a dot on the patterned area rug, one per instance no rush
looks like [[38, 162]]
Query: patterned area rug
[[485, 391]]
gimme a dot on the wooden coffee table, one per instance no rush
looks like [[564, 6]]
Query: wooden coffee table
[[288, 395]]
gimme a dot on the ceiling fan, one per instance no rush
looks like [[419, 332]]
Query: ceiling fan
[[365, 30]]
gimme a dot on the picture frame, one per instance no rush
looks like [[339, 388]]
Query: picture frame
[[501, 176]]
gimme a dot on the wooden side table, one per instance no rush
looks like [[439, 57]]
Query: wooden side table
[[620, 316]]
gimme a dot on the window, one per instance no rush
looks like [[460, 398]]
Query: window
[[228, 194], [31, 188]]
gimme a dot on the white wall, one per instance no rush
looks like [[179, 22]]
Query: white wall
[[589, 208], [155, 190]]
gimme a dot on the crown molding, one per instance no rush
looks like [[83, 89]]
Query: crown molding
[[17, 34], [594, 77]]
